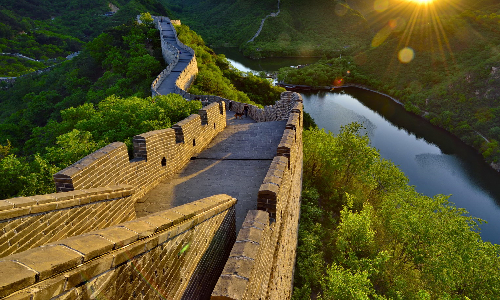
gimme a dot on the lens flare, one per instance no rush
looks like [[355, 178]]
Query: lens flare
[[406, 55], [422, 1]]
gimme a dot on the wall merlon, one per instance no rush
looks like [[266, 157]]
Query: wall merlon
[[14, 276], [48, 260], [90, 245]]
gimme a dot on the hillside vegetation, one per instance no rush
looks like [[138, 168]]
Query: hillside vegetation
[[46, 30], [457, 88], [227, 22], [51, 120], [366, 234]]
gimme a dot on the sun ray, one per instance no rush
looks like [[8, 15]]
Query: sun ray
[[437, 19]]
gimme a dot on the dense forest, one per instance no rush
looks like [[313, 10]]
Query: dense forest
[[388, 242], [49, 31]]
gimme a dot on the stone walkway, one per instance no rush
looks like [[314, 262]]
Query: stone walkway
[[168, 85], [235, 163]]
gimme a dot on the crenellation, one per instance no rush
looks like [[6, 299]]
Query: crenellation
[[161, 258], [85, 242]]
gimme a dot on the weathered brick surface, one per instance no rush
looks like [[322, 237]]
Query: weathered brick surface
[[174, 254], [158, 155], [180, 261], [262, 260], [70, 214]]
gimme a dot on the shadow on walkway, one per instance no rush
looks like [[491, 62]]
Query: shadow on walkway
[[234, 163]]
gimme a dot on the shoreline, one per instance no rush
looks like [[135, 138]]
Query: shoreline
[[306, 88]]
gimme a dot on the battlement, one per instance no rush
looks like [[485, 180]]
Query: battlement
[[157, 155], [85, 241], [175, 254]]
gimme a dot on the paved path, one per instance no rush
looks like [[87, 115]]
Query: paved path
[[168, 85], [235, 163]]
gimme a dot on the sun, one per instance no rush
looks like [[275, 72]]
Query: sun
[[422, 1]]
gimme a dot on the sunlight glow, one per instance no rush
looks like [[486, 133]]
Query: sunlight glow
[[422, 1]]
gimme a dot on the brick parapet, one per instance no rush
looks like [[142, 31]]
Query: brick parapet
[[161, 256], [277, 112], [158, 155], [262, 260], [28, 222]]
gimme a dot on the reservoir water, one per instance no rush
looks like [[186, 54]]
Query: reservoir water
[[435, 161]]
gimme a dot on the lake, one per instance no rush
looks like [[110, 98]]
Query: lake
[[435, 161]]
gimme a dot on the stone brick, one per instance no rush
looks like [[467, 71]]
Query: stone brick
[[22, 202], [14, 276], [42, 199], [87, 271], [142, 228], [22, 295], [119, 236], [49, 260], [158, 222], [48, 289], [13, 213], [89, 245], [4, 205], [239, 267], [256, 218], [128, 252], [43, 208], [175, 217], [245, 249], [250, 234], [229, 287]]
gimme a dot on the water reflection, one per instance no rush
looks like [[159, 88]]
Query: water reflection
[[434, 161]]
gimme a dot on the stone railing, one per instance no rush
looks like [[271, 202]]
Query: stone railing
[[29, 222], [261, 262], [174, 254]]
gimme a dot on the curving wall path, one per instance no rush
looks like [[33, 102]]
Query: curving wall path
[[85, 242]]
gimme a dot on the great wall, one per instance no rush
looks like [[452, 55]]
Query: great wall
[[86, 241]]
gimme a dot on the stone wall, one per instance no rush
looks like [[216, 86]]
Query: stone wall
[[157, 155], [261, 262], [279, 111], [188, 75], [174, 254], [29, 222], [171, 56]]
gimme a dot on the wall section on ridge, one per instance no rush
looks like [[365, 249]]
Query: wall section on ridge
[[173, 254], [261, 262], [29, 222], [157, 155]]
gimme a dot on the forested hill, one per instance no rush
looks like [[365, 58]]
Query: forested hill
[[44, 30], [302, 27]]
